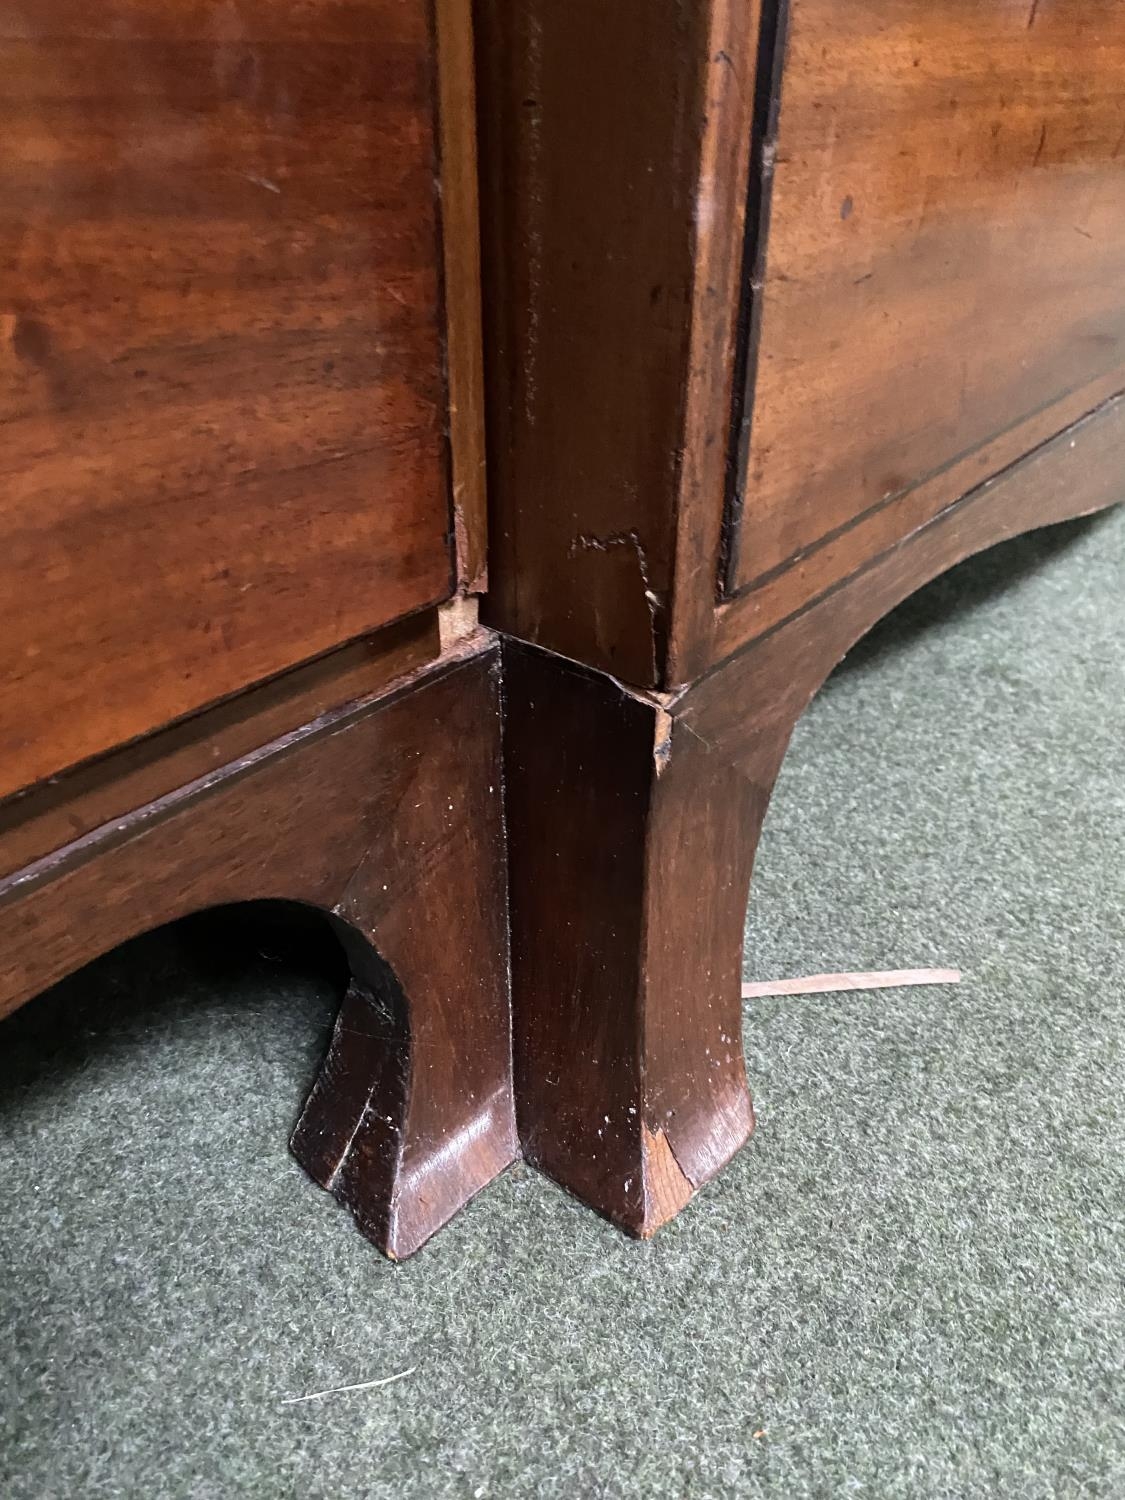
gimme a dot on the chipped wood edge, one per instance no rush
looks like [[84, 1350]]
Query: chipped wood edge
[[667, 1188]]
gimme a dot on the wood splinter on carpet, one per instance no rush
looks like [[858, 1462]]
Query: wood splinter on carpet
[[834, 984], [339, 1390]]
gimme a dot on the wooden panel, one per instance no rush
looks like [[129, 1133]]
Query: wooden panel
[[777, 598], [70, 806], [221, 385], [945, 256]]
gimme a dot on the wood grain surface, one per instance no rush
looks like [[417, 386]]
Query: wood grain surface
[[34, 824], [945, 254], [628, 875], [221, 387], [385, 815]]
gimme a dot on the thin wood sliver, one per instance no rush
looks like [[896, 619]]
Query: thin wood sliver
[[833, 984], [342, 1390]]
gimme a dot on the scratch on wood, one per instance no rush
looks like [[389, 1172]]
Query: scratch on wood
[[695, 734], [662, 746], [584, 542], [1039, 147]]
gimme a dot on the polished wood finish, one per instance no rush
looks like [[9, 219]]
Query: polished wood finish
[[944, 259], [222, 392], [241, 397], [589, 126], [387, 816], [625, 883], [891, 251], [633, 819], [775, 600], [34, 824], [787, 308]]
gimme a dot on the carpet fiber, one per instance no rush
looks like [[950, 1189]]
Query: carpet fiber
[[909, 1284]]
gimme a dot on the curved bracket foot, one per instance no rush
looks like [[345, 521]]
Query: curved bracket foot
[[633, 818], [387, 816], [393, 1127], [630, 844]]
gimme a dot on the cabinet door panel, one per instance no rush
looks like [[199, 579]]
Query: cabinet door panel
[[944, 255], [221, 393]]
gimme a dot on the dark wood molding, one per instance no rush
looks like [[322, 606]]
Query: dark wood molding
[[602, 130], [773, 27]]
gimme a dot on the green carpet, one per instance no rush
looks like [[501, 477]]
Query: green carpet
[[910, 1284]]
